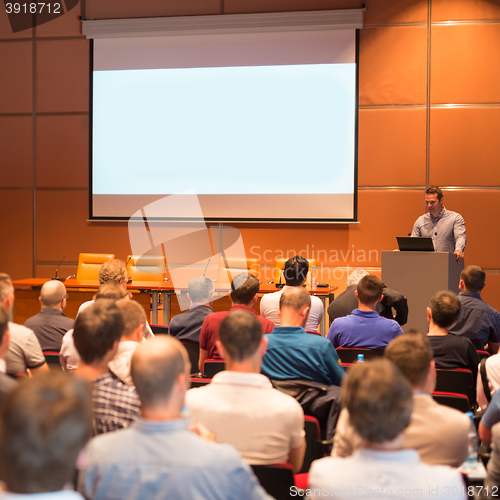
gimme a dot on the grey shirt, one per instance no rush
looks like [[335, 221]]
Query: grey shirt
[[447, 231]]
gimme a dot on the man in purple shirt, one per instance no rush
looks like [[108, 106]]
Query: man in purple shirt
[[364, 327]]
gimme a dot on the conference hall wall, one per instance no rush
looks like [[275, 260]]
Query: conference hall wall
[[429, 95]]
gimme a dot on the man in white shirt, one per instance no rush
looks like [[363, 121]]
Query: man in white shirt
[[240, 405], [295, 273]]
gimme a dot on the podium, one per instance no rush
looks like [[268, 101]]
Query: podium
[[418, 276]]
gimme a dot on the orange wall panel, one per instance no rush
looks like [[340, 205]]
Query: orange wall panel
[[16, 161], [465, 63], [464, 10], [392, 65], [68, 25], [6, 30], [464, 146], [62, 75], [392, 147], [490, 292], [62, 151], [255, 6], [395, 11], [49, 270]]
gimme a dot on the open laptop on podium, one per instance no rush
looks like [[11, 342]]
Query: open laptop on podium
[[412, 244]]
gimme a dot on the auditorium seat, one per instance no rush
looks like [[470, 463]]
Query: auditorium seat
[[52, 359], [193, 350], [456, 380], [276, 479], [350, 354], [90, 263], [453, 400], [314, 446], [213, 366], [483, 354], [159, 329], [199, 382]]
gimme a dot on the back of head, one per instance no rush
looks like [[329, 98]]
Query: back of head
[[5, 286], [244, 288], [355, 276], [112, 291], [133, 315], [4, 323], [369, 289], [295, 270], [240, 334], [112, 272], [412, 354], [434, 190], [52, 293], [473, 278], [200, 290], [445, 308], [295, 299], [45, 422], [156, 366], [97, 328], [379, 400]]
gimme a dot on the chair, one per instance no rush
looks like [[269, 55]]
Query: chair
[[314, 447], [52, 359], [279, 265], [160, 329], [313, 332], [213, 366], [193, 349], [90, 263], [347, 366], [350, 354], [478, 345], [456, 380], [453, 400], [230, 267], [199, 382], [276, 479], [483, 354], [146, 268]]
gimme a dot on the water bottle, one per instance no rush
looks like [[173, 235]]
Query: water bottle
[[314, 277], [471, 462], [361, 358]]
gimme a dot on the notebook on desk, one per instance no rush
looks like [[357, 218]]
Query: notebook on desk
[[411, 244]]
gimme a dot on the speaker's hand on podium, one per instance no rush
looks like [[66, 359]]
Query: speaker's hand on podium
[[459, 255]]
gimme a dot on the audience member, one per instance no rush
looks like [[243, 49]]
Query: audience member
[[240, 405], [45, 422], [295, 273], [187, 326], [292, 353], [438, 433], [492, 481], [6, 382], [477, 320], [450, 351], [158, 456], [98, 330], [379, 401], [393, 305], [490, 418], [134, 319], [24, 349], [50, 324], [364, 327], [244, 295], [492, 371]]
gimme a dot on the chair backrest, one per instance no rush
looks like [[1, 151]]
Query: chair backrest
[[350, 354], [199, 382], [213, 366], [453, 400], [483, 354], [90, 263], [478, 345], [160, 329], [456, 380], [314, 449], [193, 350], [279, 265], [52, 359], [234, 267], [277, 479], [146, 268]]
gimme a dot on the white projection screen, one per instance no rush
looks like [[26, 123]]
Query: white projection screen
[[261, 126]]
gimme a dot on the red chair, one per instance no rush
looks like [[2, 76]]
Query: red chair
[[483, 354], [350, 354], [458, 381], [193, 350], [52, 359], [199, 382], [314, 446], [160, 329], [277, 479], [458, 401], [213, 366]]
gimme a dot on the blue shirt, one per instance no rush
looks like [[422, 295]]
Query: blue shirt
[[292, 353], [164, 460], [363, 329], [477, 319]]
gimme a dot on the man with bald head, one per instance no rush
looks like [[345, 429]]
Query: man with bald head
[[50, 324], [159, 456], [292, 353]]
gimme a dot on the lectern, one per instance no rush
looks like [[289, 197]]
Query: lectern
[[418, 276]]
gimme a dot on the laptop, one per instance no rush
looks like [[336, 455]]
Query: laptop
[[411, 244]]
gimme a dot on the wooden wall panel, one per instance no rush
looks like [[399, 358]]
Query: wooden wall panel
[[49, 270], [62, 151], [392, 147], [465, 63], [395, 11], [392, 65], [67, 25], [464, 10], [6, 30], [490, 292], [255, 6], [464, 146]]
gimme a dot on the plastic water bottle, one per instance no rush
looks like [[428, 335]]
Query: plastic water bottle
[[361, 358], [471, 462], [314, 277]]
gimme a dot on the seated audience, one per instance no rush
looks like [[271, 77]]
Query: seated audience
[[24, 349], [134, 319], [50, 324], [477, 319], [244, 295], [438, 433], [292, 353], [6, 383], [295, 274], [187, 326], [379, 401], [227, 406], [98, 330], [392, 301], [158, 456], [450, 351], [492, 369], [364, 327], [44, 423]]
